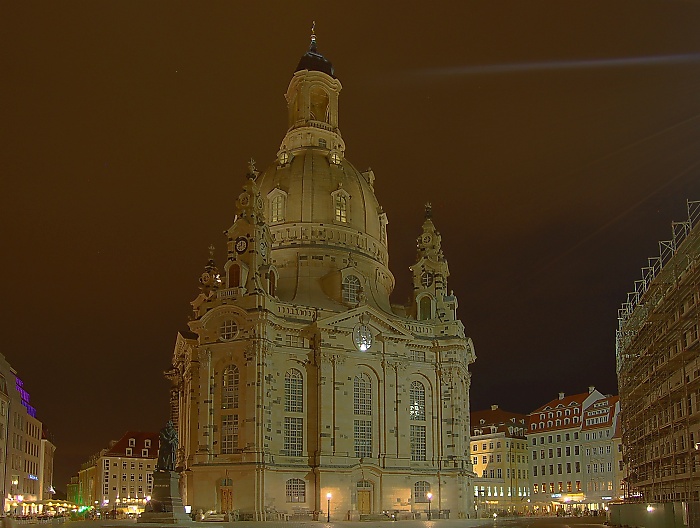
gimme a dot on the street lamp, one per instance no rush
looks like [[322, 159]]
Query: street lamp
[[328, 508], [430, 498]]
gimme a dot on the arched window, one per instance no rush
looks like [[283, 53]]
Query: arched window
[[420, 491], [362, 395], [340, 202], [293, 391], [234, 276], [425, 308], [351, 289], [277, 208], [229, 388], [362, 405], [416, 395], [295, 490]]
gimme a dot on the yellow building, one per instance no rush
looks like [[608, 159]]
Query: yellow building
[[501, 462], [299, 389]]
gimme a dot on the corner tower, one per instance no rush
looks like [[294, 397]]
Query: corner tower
[[297, 379]]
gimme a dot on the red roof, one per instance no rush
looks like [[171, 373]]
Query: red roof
[[499, 418], [137, 442]]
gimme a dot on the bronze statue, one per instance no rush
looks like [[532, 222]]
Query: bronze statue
[[168, 448]]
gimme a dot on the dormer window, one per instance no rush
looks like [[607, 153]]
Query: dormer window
[[129, 451], [132, 442], [147, 442], [278, 203], [341, 208]]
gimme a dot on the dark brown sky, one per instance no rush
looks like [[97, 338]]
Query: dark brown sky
[[556, 141]]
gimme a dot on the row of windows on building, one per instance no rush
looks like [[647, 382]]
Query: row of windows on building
[[500, 491], [509, 444], [550, 438], [294, 393], [128, 492], [293, 443], [295, 490], [498, 473], [555, 423], [125, 464], [129, 477], [561, 468], [488, 459]]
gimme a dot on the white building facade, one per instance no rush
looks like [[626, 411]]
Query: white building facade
[[300, 390]]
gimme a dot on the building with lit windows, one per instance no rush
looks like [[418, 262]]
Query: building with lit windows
[[299, 389], [27, 458], [558, 475], [602, 480], [118, 480], [501, 462]]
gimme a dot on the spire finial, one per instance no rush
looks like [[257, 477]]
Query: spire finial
[[313, 36], [428, 210]]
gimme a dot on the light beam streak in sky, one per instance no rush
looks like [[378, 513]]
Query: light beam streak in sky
[[576, 64]]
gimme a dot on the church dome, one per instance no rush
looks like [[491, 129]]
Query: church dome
[[319, 208]]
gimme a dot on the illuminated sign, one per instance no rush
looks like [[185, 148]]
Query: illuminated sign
[[33, 477]]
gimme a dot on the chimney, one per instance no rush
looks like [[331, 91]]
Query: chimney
[[591, 388], [561, 395], [494, 407]]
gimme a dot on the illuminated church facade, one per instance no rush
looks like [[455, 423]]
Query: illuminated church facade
[[299, 388]]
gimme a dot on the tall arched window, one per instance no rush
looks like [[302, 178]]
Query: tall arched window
[[416, 395], [277, 208], [351, 289], [229, 388], [420, 491], [293, 391], [295, 490], [362, 406], [362, 394]]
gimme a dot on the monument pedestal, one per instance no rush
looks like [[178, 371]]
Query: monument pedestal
[[165, 506]]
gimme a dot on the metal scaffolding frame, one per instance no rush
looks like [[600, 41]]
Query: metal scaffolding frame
[[658, 369]]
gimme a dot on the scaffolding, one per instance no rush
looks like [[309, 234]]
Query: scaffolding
[[658, 370]]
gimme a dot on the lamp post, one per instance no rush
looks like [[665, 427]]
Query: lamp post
[[430, 499], [328, 507]]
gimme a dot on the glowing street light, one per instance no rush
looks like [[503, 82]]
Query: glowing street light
[[430, 499], [328, 508]]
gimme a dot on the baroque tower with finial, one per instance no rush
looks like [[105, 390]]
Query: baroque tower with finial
[[430, 299], [298, 375]]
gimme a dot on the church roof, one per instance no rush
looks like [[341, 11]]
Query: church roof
[[312, 60]]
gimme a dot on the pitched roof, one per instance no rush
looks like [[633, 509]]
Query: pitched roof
[[499, 418], [137, 445]]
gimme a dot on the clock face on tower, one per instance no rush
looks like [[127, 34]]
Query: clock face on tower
[[241, 245]]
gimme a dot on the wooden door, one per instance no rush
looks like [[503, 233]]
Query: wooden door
[[226, 499], [364, 502]]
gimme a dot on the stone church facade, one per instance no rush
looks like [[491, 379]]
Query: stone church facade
[[299, 388]]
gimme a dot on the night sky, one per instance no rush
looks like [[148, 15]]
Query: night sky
[[556, 141]]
